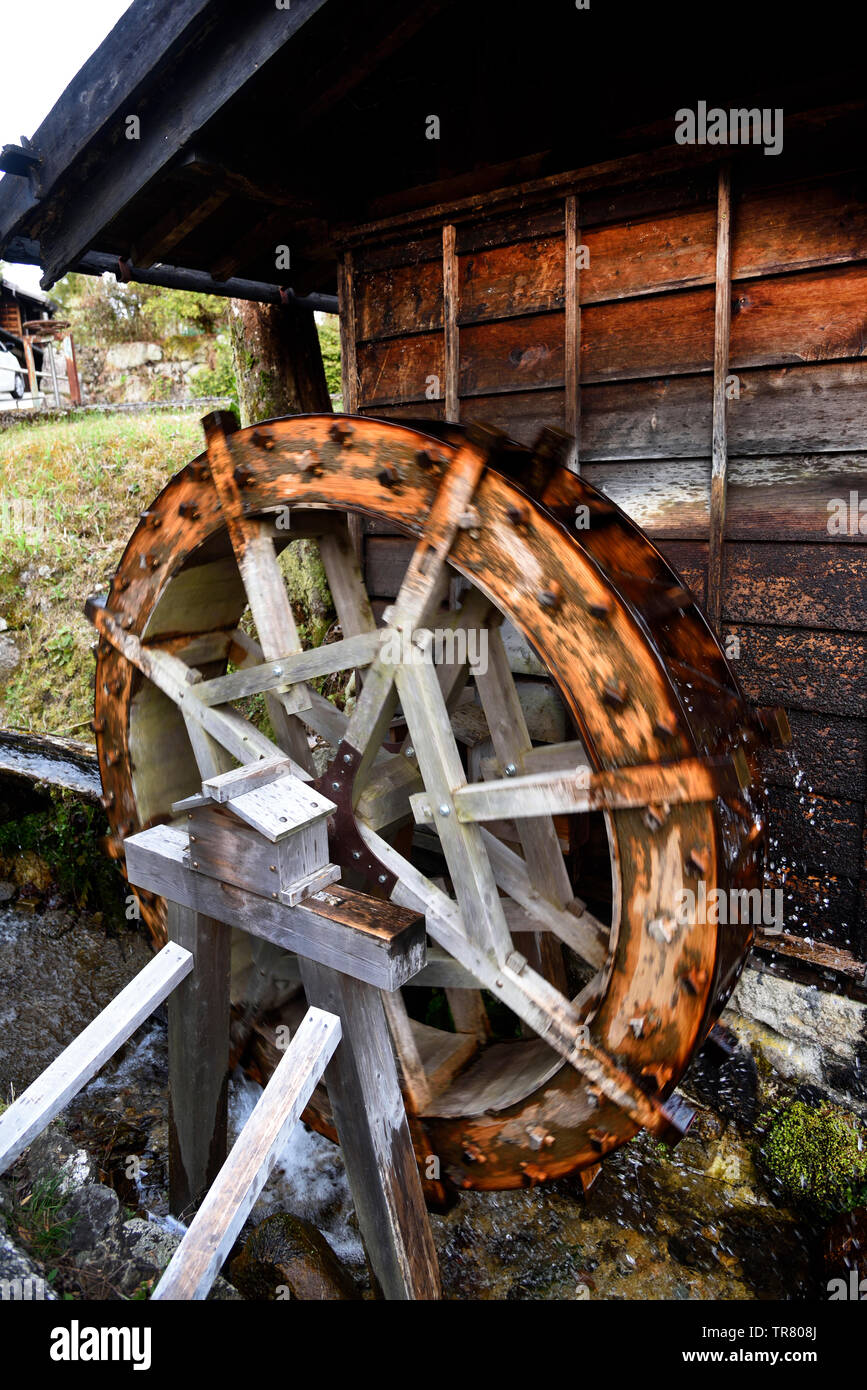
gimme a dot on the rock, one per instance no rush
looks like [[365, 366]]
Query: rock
[[10, 656], [94, 1211], [803, 1033], [31, 871], [286, 1257], [21, 1277], [53, 1155], [150, 1248], [124, 356], [7, 892]]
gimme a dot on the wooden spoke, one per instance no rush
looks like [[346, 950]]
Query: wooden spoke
[[260, 573], [172, 676], [345, 581], [553, 793], [547, 757], [538, 837], [528, 994], [577, 928], [441, 767], [286, 671]]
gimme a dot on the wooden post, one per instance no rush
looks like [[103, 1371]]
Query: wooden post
[[719, 461], [374, 1137], [198, 1059], [31, 368], [450, 322], [572, 367]]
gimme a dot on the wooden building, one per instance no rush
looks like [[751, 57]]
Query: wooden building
[[518, 237]]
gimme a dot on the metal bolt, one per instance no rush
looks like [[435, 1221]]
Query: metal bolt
[[347, 757], [193, 839], [273, 868], [278, 670], [410, 752], [510, 770], [383, 878], [335, 786], [444, 810], [195, 863], [356, 854]]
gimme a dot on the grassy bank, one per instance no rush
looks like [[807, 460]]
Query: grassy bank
[[93, 476]]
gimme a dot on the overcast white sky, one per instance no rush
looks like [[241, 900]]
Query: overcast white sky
[[44, 43]]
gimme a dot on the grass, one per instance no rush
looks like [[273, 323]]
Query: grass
[[36, 1220], [94, 475]]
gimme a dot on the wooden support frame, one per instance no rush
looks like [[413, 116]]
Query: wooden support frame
[[334, 927], [719, 445], [197, 1260], [198, 1013], [374, 1137], [81, 1060]]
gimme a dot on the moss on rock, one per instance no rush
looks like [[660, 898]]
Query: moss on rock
[[816, 1155]]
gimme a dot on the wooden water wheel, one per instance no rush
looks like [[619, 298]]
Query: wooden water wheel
[[571, 1026]]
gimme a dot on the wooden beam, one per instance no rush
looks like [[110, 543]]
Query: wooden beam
[[719, 447], [170, 675], [218, 1222], [450, 322], [49, 1093], [226, 56], [338, 927], [559, 793], [285, 671], [572, 361], [374, 1136], [198, 1057]]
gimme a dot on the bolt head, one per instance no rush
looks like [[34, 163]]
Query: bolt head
[[510, 770], [278, 670], [335, 786], [356, 854], [444, 810], [383, 878], [347, 757]]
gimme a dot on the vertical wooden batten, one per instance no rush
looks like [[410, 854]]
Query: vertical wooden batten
[[572, 365], [349, 365], [719, 445], [450, 322]]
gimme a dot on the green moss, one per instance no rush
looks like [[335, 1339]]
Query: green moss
[[816, 1156], [68, 837]]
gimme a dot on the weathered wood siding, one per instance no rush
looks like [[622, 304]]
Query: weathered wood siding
[[794, 591]]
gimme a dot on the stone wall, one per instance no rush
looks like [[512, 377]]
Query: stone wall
[[145, 371]]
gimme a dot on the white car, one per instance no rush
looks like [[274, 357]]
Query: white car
[[12, 378]]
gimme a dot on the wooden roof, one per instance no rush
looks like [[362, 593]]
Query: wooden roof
[[263, 127]]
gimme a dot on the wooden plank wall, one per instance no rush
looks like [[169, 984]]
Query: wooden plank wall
[[632, 333]]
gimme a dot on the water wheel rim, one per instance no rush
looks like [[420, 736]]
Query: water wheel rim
[[512, 568]]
